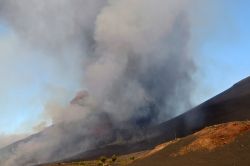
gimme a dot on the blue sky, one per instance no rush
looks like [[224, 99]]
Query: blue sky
[[222, 50], [19, 86], [27, 82]]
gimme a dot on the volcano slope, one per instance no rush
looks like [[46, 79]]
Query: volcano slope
[[224, 145], [231, 105]]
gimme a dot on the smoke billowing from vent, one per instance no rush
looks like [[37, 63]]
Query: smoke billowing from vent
[[131, 57]]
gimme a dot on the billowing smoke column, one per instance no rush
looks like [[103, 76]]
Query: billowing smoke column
[[132, 57]]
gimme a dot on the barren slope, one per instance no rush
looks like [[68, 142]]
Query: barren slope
[[231, 105], [223, 145]]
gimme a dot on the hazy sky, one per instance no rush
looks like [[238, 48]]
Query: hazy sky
[[223, 59]]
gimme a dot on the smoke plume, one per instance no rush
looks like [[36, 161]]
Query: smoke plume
[[131, 58], [8, 139]]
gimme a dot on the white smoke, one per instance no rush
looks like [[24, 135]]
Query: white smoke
[[137, 43], [131, 56], [8, 139]]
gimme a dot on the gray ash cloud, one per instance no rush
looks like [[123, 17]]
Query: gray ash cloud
[[132, 58]]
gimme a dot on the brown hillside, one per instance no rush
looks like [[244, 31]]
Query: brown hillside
[[224, 145]]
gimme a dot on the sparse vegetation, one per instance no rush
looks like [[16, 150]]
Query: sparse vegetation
[[100, 163], [132, 158], [113, 158], [103, 159], [81, 163]]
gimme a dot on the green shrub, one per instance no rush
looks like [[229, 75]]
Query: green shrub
[[114, 158], [81, 163], [103, 159], [100, 163]]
